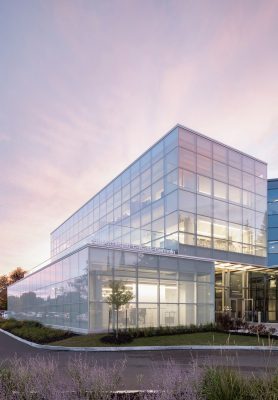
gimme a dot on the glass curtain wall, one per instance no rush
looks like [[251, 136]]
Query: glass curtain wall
[[273, 222], [167, 290], [221, 197], [57, 295], [186, 189]]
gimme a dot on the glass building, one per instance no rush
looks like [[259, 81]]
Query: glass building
[[272, 222], [186, 210]]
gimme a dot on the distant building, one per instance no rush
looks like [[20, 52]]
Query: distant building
[[272, 222], [184, 227]]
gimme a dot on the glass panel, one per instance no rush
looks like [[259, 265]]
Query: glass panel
[[204, 205], [187, 139], [157, 190], [169, 315], [187, 159], [187, 314], [261, 186], [260, 170], [187, 201], [234, 159], [248, 182], [171, 160], [186, 222], [220, 229], [248, 199], [235, 233], [187, 180], [157, 151], [158, 209], [145, 179], [157, 170], [147, 315], [220, 190], [220, 171], [219, 153], [220, 209], [234, 194], [204, 146], [187, 238], [204, 185], [235, 213], [235, 177], [204, 165], [248, 164], [203, 226], [171, 181], [171, 202], [248, 217], [171, 223]]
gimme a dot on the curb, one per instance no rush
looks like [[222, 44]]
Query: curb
[[138, 348]]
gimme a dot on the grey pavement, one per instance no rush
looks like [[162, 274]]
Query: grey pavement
[[144, 364]]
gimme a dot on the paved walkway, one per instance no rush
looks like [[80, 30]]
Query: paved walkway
[[144, 363]]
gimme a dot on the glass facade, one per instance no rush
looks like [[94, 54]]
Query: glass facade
[[56, 295], [186, 190], [168, 290], [273, 222]]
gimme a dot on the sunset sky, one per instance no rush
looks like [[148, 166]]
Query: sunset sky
[[87, 86]]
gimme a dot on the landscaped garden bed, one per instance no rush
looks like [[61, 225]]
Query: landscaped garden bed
[[34, 331]]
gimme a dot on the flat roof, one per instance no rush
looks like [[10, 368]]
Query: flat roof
[[149, 148]]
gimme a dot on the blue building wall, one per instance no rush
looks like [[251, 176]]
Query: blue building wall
[[272, 200]]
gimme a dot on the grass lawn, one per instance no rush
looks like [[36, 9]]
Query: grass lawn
[[202, 338]]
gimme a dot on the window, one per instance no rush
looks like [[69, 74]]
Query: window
[[187, 201], [220, 171], [157, 170], [204, 146], [171, 202], [220, 229], [187, 139], [171, 181], [220, 190], [219, 153], [157, 190], [187, 159], [171, 223], [186, 222], [220, 209], [235, 233], [234, 159], [248, 217], [204, 205], [203, 226], [171, 160], [157, 151], [204, 165], [248, 164], [204, 185], [235, 214], [187, 180], [248, 182], [145, 179], [248, 199], [260, 170], [234, 194], [235, 178], [261, 186]]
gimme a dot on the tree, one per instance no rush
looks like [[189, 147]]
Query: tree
[[119, 297], [5, 281], [16, 275]]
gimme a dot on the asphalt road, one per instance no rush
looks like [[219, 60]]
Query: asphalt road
[[144, 364]]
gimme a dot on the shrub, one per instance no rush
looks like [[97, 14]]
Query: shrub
[[35, 331], [121, 339]]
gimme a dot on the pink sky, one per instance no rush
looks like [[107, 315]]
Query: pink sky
[[87, 86]]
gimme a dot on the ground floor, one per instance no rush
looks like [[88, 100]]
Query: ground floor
[[168, 290]]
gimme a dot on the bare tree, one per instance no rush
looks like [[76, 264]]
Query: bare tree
[[119, 297]]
